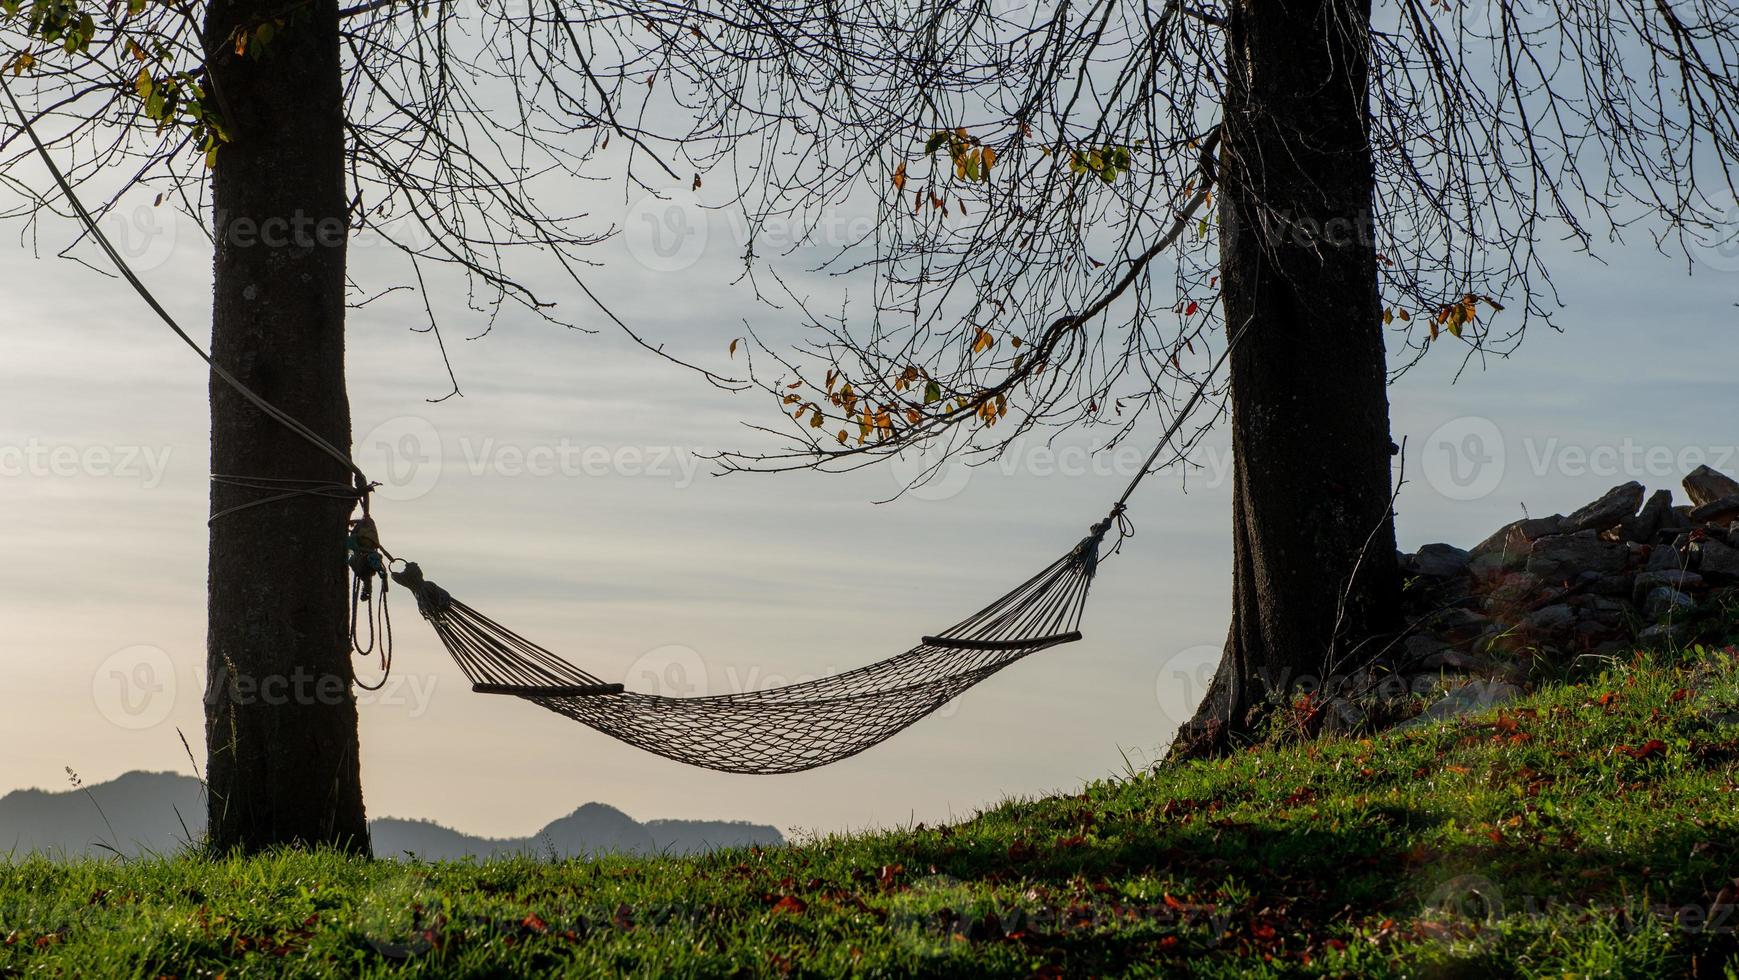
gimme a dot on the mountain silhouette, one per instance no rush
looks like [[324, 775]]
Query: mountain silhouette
[[142, 813]]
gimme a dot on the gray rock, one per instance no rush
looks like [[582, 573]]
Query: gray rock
[[1420, 646], [1673, 578], [1551, 618], [1343, 717], [1475, 695], [1561, 558], [1515, 539], [1705, 484], [1648, 522], [1665, 603], [1437, 560], [1514, 589], [1611, 586], [1456, 622], [1451, 661], [1718, 560], [1664, 557], [1609, 511], [1723, 511], [1664, 634]]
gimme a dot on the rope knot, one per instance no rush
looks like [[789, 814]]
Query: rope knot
[[432, 600]]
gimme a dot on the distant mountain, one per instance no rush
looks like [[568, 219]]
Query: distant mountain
[[158, 812]]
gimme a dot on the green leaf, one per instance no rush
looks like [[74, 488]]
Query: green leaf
[[932, 393]]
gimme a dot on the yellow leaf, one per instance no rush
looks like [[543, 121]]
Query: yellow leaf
[[989, 160], [900, 177], [983, 341], [841, 437]]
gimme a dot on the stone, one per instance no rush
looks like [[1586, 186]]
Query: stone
[[1722, 511], [1718, 560], [1517, 537], [1609, 511], [1647, 523], [1561, 558], [1663, 557], [1436, 560], [1456, 622], [1421, 646], [1343, 717], [1673, 578], [1550, 618], [1515, 589], [1705, 484], [1664, 603], [1475, 695], [1664, 634], [1451, 661]]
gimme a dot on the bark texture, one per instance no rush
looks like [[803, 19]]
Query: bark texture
[[281, 732], [1315, 582]]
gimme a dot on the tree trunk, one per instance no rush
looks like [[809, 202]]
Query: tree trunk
[[1315, 581], [280, 716]]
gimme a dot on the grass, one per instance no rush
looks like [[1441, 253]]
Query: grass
[[1587, 831]]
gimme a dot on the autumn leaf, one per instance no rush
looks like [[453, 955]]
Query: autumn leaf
[[734, 344], [900, 176], [1648, 749], [791, 904], [983, 341]]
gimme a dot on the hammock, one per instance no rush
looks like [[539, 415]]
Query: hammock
[[784, 729]]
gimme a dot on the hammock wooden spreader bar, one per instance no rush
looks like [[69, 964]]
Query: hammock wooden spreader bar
[[782, 729]]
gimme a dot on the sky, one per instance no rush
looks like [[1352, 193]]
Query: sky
[[563, 494]]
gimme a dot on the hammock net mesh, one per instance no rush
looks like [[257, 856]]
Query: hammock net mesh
[[782, 729]]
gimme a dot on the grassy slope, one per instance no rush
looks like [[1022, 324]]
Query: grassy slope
[[1586, 831]]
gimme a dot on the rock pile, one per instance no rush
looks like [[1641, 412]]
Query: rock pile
[[1628, 570]]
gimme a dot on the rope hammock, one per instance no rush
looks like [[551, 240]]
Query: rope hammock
[[785, 729]]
